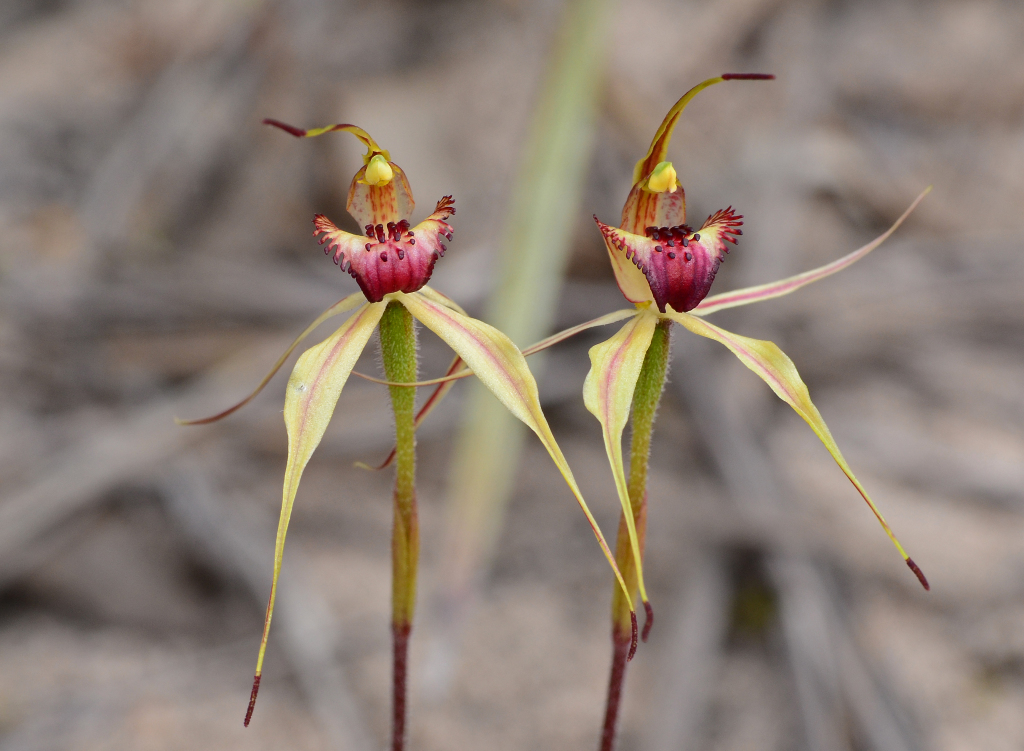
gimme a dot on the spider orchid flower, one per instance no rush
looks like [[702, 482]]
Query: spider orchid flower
[[666, 268], [392, 264]]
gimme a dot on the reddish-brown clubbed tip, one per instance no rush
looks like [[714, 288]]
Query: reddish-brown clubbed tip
[[648, 621], [297, 132], [632, 640], [252, 700], [743, 77], [919, 574]]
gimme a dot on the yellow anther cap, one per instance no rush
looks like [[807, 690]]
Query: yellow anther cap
[[379, 172], [662, 179]]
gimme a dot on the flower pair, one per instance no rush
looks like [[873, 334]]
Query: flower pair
[[662, 265]]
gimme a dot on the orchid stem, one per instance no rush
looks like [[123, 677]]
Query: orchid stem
[[398, 350], [646, 398]]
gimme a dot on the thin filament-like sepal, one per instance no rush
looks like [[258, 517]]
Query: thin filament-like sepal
[[458, 368], [782, 287], [561, 336], [776, 369], [313, 390], [464, 373], [362, 135], [342, 306]]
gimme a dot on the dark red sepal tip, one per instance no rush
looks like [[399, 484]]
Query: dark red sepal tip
[[297, 132], [648, 621], [632, 640], [252, 699], [748, 76], [919, 574]]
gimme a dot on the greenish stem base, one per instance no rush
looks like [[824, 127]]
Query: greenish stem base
[[646, 398], [398, 350]]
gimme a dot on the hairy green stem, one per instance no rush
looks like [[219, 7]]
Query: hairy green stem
[[646, 398], [398, 350]]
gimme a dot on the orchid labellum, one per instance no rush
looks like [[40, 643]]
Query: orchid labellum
[[392, 263]]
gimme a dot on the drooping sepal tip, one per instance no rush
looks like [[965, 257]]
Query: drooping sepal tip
[[663, 178], [297, 132], [632, 635], [252, 699], [371, 146], [648, 621], [659, 146], [748, 76], [919, 574]]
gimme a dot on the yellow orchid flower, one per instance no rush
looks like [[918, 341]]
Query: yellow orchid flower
[[392, 264]]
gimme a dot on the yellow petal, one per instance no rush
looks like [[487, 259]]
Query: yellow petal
[[778, 371], [313, 392], [432, 294], [608, 393], [458, 370], [502, 368], [782, 287], [342, 306], [631, 280]]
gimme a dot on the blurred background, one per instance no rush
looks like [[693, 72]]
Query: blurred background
[[156, 257]]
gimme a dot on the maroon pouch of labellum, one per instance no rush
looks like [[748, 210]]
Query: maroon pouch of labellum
[[678, 263], [391, 258]]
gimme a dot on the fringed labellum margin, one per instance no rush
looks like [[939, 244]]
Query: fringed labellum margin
[[392, 257]]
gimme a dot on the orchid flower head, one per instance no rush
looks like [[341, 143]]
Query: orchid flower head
[[392, 256], [666, 268], [655, 255]]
